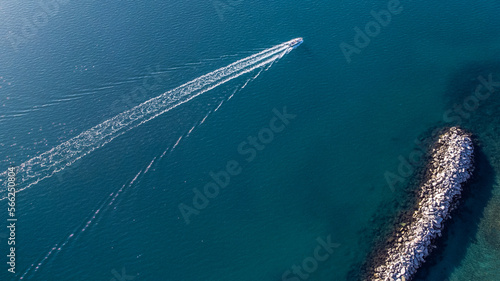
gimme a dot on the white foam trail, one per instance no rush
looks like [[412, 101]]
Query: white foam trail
[[246, 83], [220, 104], [217, 108], [176, 144], [255, 77], [269, 66], [163, 154], [205, 118], [103, 207], [233, 94], [235, 91], [190, 131], [149, 166], [222, 101], [39, 263], [47, 164]]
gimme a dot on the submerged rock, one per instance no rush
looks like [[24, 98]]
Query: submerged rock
[[450, 166]]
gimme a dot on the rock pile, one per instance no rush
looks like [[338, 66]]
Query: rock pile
[[451, 165]]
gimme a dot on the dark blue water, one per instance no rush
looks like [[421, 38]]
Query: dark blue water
[[320, 178]]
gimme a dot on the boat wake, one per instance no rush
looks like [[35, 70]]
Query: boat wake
[[104, 206], [65, 154]]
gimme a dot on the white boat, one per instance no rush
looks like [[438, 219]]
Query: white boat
[[296, 42]]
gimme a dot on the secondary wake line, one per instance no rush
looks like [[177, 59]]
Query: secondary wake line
[[59, 157], [79, 230]]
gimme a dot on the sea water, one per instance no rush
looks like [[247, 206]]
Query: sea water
[[299, 204]]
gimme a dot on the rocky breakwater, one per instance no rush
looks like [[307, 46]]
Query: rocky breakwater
[[451, 165]]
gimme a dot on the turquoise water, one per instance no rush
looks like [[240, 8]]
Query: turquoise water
[[319, 179]]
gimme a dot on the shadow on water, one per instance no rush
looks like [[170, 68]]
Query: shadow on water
[[462, 228], [464, 82], [460, 231], [391, 212]]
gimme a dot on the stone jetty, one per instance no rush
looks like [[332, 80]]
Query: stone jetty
[[450, 166]]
